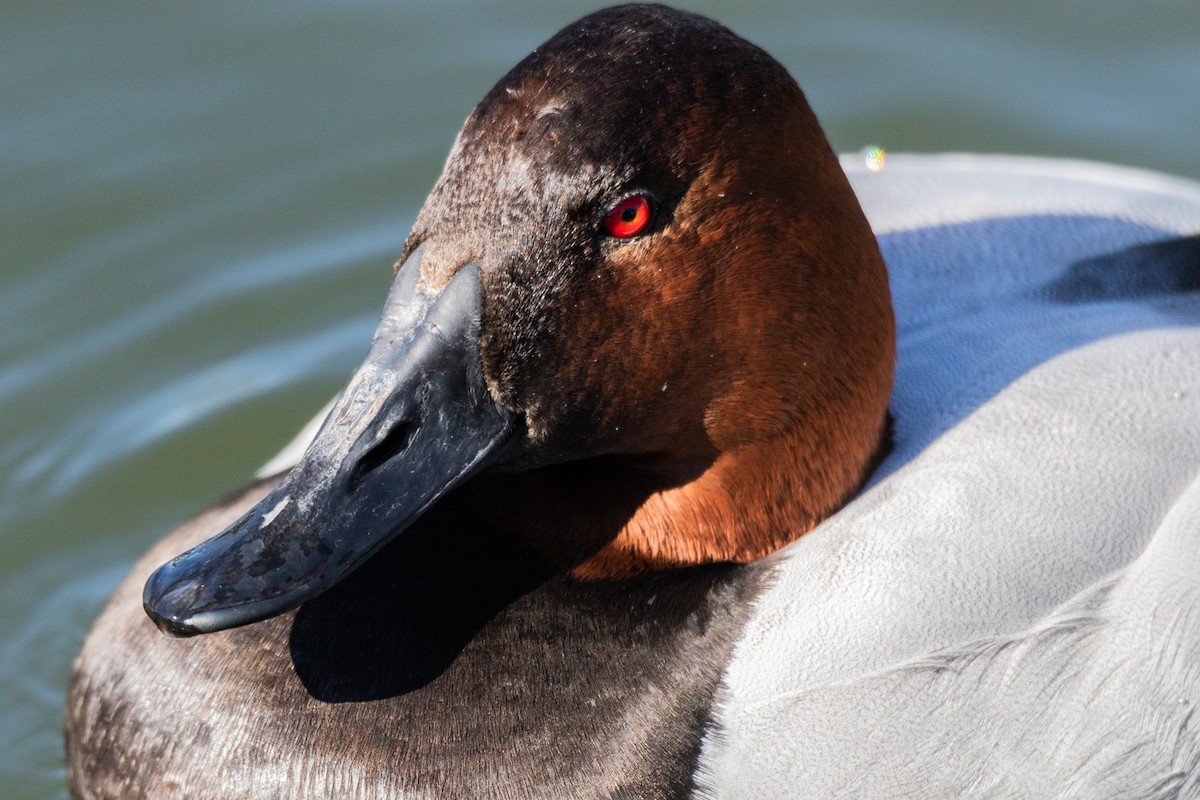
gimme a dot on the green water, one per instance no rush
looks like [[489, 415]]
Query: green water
[[201, 204]]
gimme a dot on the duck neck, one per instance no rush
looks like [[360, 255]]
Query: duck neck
[[612, 518]]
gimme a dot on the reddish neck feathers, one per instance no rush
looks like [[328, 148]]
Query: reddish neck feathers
[[747, 504], [795, 400]]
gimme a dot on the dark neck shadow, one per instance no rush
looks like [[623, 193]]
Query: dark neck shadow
[[400, 620], [404, 617]]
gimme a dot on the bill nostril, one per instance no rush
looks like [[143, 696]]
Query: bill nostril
[[381, 452]]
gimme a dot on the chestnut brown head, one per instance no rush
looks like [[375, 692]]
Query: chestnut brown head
[[642, 254]]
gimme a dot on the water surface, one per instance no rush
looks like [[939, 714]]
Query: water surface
[[201, 205]]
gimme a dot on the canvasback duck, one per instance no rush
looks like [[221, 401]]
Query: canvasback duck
[[550, 539]]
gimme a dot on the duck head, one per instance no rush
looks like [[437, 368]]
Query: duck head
[[641, 298]]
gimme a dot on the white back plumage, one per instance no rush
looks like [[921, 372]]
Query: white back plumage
[[1012, 608]]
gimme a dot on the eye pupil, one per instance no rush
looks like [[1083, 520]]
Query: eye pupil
[[630, 217]]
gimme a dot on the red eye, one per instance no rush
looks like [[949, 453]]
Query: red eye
[[629, 217]]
